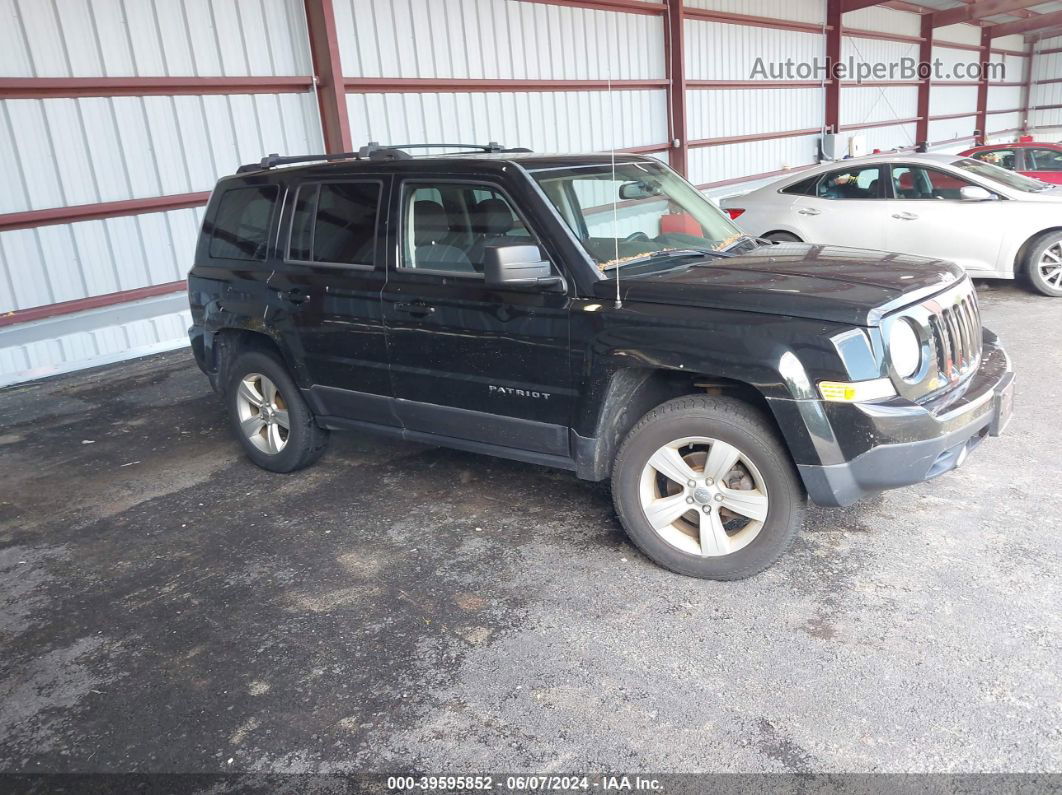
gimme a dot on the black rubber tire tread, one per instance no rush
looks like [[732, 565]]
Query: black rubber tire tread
[[735, 422], [782, 237], [1032, 259], [306, 440]]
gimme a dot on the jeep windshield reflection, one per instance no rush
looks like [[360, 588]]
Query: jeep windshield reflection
[[635, 212]]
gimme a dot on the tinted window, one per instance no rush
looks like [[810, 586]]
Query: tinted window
[[335, 223], [240, 227], [806, 187], [850, 183], [1043, 159], [915, 182], [448, 227]]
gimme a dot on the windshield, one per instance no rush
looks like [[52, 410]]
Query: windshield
[[635, 212], [1008, 178]]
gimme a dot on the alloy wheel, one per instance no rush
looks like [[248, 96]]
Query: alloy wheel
[[263, 413], [1051, 265], [703, 496]]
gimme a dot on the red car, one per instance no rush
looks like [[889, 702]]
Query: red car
[[1037, 160]]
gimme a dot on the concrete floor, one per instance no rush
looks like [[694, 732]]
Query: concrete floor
[[167, 606]]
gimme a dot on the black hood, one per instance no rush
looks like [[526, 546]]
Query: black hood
[[844, 285]]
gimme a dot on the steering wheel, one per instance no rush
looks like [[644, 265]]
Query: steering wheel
[[639, 237]]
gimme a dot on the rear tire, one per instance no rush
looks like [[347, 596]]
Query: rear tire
[[1043, 263], [782, 237], [723, 495], [269, 416]]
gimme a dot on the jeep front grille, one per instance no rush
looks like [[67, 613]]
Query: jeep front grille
[[956, 328]]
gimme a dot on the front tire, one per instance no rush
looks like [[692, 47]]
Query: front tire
[[268, 415], [703, 488], [781, 237], [1043, 264]]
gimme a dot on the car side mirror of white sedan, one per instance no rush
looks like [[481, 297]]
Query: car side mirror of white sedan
[[975, 193]]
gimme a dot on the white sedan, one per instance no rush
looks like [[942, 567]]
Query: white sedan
[[994, 223]]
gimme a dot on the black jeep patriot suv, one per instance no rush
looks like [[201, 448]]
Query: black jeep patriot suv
[[595, 313]]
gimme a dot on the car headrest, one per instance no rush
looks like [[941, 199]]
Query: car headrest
[[430, 223], [906, 181], [492, 217]]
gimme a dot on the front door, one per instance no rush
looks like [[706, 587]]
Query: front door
[[846, 209], [467, 360], [328, 282], [927, 217]]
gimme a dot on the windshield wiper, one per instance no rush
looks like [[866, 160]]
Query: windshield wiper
[[674, 253]]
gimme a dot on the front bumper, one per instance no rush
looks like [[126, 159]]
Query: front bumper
[[898, 443]]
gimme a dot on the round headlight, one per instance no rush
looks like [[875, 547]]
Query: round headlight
[[905, 349]]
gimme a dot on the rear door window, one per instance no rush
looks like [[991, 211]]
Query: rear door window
[[335, 223], [851, 183], [1004, 158], [1043, 159], [240, 227]]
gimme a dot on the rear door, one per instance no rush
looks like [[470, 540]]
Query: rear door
[[327, 284], [1044, 164], [467, 360], [846, 209]]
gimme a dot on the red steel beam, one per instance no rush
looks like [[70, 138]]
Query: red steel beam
[[433, 85], [710, 15], [866, 125], [751, 84], [858, 5], [982, 85], [92, 302], [50, 87], [742, 139], [92, 212], [331, 96], [1041, 21], [627, 6], [675, 62], [925, 85], [978, 10], [834, 10], [862, 33]]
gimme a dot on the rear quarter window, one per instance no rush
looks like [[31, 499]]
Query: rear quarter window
[[240, 226]]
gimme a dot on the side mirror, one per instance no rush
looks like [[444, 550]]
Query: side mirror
[[518, 268], [974, 193]]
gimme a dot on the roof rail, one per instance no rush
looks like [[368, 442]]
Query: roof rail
[[371, 151]]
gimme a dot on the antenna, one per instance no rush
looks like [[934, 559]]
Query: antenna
[[615, 206]]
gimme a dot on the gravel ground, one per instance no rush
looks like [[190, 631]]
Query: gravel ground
[[166, 606]]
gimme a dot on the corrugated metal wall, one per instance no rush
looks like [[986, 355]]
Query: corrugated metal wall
[[60, 152], [488, 40], [63, 152], [1047, 67]]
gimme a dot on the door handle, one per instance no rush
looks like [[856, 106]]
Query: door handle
[[905, 216], [415, 308], [809, 211]]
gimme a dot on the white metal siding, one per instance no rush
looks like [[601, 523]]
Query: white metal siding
[[866, 104], [491, 40], [961, 33], [559, 121], [50, 264], [884, 20], [63, 152], [717, 51], [730, 161], [112, 38], [718, 113]]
